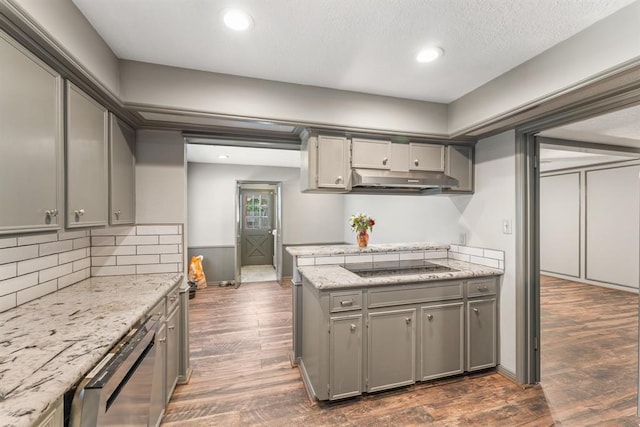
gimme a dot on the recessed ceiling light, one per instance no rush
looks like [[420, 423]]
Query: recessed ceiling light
[[223, 156], [237, 19], [429, 54]]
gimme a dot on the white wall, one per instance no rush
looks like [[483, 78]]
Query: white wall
[[306, 218], [160, 177], [405, 218], [481, 218]]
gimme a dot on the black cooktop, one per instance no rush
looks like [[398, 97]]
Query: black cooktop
[[396, 268]]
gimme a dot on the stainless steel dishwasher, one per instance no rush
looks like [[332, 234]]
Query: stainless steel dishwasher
[[117, 392]]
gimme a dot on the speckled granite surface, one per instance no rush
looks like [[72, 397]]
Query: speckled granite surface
[[336, 277], [354, 249], [48, 344]]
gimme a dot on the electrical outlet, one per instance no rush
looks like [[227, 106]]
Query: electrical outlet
[[506, 226]]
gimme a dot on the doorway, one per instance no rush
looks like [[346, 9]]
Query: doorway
[[258, 232]]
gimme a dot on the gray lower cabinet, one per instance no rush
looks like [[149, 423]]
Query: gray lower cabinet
[[86, 160], [122, 197], [31, 159], [442, 340], [391, 349], [345, 356], [173, 327], [158, 391], [481, 333]]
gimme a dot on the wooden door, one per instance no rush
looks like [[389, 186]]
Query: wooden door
[[257, 225]]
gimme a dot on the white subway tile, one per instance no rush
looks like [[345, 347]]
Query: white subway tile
[[82, 264], [100, 261], [25, 267], [113, 250], [470, 250], [156, 229], [8, 242], [411, 255], [83, 242], [55, 272], [117, 270], [180, 249], [124, 230], [72, 278], [8, 270], [168, 240], [103, 240], [68, 235], [435, 254], [386, 257], [167, 258], [489, 253], [454, 248], [157, 268], [18, 253], [70, 256], [330, 260], [55, 247], [138, 259], [459, 257], [484, 261], [38, 238], [180, 228], [356, 259], [501, 265], [37, 291], [137, 240], [306, 261], [7, 302], [16, 284], [157, 249]]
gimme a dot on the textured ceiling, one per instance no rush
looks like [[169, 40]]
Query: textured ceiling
[[359, 45]]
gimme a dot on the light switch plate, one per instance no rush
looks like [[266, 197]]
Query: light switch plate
[[506, 226]]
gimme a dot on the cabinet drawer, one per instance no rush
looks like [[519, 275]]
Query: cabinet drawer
[[158, 310], [437, 292], [480, 288], [172, 299], [345, 301]]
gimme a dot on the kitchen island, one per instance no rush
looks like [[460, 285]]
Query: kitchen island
[[49, 344], [391, 315]]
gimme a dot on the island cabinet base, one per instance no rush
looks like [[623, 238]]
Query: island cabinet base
[[368, 339]]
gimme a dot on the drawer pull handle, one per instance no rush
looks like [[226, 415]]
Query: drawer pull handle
[[346, 303], [353, 327], [429, 316], [162, 340], [408, 320], [171, 327], [484, 288], [475, 310], [173, 298]]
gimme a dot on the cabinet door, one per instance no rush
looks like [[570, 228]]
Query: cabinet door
[[442, 343], [173, 327], [30, 142], [481, 334], [345, 357], [333, 162], [460, 166], [122, 199], [426, 157], [87, 183], [371, 154], [391, 349], [156, 408]]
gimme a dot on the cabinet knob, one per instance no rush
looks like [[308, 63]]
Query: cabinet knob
[[475, 310], [416, 162], [79, 212], [117, 213], [339, 180], [429, 316], [408, 320], [52, 213], [353, 327], [346, 303], [384, 161]]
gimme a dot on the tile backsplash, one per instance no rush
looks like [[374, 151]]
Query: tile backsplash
[[487, 257], [33, 265]]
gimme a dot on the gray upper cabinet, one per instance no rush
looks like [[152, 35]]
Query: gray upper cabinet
[[333, 162], [459, 165], [122, 199], [370, 153], [30, 142], [426, 157], [87, 160]]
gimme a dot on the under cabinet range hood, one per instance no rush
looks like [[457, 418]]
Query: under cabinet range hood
[[399, 181]]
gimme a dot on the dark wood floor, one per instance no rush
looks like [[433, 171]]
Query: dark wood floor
[[240, 340]]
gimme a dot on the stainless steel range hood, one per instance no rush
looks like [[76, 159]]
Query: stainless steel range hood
[[414, 180]]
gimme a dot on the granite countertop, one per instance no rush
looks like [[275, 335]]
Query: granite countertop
[[48, 344], [337, 277], [354, 249]]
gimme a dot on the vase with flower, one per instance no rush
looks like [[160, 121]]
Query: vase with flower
[[362, 223]]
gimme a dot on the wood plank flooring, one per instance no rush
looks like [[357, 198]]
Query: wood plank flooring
[[240, 340]]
